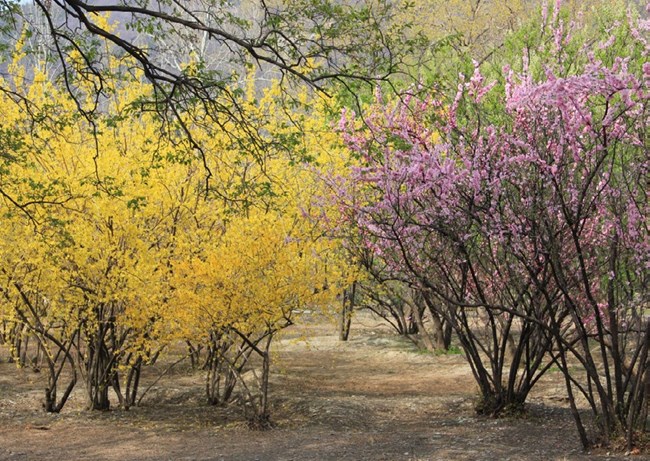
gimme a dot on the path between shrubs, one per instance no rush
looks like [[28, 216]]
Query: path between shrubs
[[375, 397]]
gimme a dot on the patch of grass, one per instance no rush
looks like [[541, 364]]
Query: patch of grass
[[453, 350]]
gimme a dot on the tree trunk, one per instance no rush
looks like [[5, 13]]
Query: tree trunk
[[441, 331], [98, 383], [424, 334], [349, 296], [438, 332]]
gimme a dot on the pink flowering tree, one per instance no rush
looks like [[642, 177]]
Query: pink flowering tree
[[577, 211], [528, 233], [426, 213]]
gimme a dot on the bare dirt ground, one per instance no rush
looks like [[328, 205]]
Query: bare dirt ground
[[373, 398]]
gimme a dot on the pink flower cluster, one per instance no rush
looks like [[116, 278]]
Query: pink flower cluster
[[553, 198]]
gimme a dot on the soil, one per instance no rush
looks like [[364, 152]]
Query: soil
[[375, 397]]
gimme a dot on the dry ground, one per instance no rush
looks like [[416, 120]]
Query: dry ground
[[373, 398]]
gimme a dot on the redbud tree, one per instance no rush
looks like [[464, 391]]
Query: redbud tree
[[527, 230]]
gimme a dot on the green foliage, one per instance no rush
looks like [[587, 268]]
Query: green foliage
[[451, 350]]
